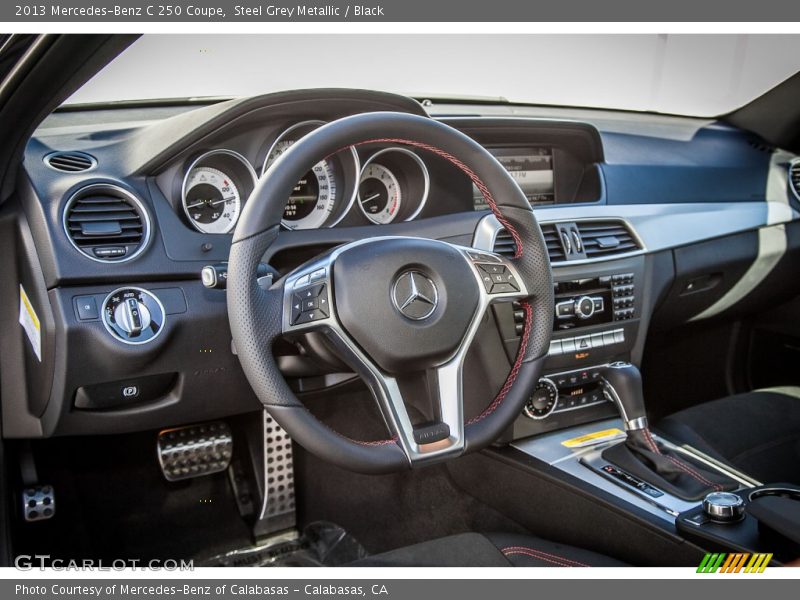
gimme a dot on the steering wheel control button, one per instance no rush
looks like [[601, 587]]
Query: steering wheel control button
[[723, 507], [133, 315], [87, 308], [302, 281], [482, 256], [498, 279], [310, 304], [415, 295]]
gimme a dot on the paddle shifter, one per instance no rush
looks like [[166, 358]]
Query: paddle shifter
[[645, 458]]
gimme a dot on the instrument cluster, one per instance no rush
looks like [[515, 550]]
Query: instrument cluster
[[376, 184]]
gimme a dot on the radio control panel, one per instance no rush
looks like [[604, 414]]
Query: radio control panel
[[594, 300]]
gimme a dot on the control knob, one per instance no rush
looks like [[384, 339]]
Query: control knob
[[543, 400], [133, 315], [723, 507], [584, 307]]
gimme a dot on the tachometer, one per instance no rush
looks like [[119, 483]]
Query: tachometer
[[313, 198], [211, 200], [379, 194], [393, 186]]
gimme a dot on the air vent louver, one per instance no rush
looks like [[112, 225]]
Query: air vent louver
[[106, 223], [70, 162], [504, 244], [606, 238], [598, 239], [794, 178]]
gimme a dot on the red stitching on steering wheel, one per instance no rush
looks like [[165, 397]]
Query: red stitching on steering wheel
[[512, 376]]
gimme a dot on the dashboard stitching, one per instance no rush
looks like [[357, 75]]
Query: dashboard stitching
[[467, 171]]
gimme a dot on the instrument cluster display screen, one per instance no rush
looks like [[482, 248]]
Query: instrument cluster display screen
[[531, 168]]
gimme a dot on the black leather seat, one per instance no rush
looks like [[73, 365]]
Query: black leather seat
[[489, 550], [758, 432]]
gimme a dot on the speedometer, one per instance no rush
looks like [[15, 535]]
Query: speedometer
[[313, 198], [211, 200]]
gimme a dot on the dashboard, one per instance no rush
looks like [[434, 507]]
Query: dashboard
[[650, 222]]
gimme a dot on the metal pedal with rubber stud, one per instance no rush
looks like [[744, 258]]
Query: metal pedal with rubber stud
[[39, 502], [194, 451]]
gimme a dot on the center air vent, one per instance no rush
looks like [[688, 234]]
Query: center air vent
[[606, 238], [70, 162], [580, 240], [794, 177], [106, 223]]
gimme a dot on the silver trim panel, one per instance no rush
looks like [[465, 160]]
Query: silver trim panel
[[584, 463], [657, 226]]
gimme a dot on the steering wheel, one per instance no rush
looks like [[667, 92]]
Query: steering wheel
[[400, 310]]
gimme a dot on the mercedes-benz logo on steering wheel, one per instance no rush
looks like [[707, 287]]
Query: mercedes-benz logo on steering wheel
[[415, 295]]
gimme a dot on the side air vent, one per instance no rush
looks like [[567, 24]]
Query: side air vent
[[504, 244], [606, 238], [106, 223], [70, 162], [554, 247], [794, 178]]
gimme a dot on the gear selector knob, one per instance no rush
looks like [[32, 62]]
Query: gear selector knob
[[624, 387]]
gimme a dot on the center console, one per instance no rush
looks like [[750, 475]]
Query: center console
[[585, 423], [599, 310]]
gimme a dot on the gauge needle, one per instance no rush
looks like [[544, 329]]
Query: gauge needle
[[196, 204], [371, 198], [222, 200]]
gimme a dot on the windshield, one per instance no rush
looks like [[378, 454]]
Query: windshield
[[693, 75]]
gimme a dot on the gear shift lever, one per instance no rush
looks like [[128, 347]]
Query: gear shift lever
[[624, 386], [640, 455]]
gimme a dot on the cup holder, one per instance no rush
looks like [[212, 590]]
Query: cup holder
[[792, 494]]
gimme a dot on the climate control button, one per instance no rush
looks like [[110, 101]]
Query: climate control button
[[543, 400]]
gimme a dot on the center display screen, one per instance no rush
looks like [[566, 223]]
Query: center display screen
[[531, 168]]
